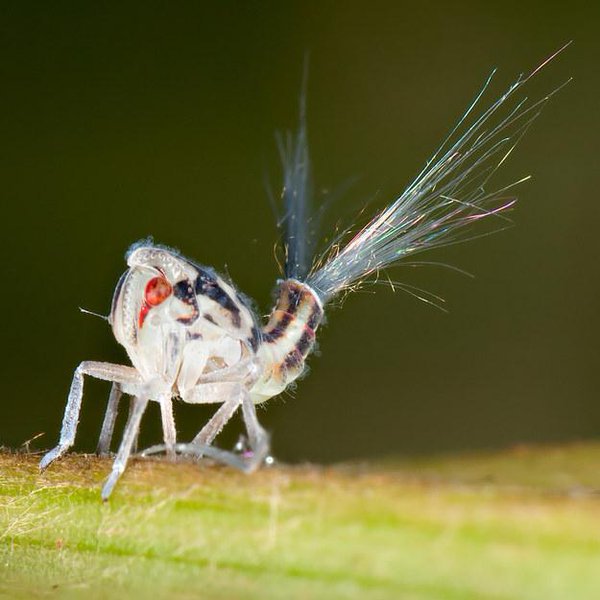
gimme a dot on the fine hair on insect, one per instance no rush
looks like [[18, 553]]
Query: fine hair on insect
[[191, 336]]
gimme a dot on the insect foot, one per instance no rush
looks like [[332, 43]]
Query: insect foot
[[51, 456]]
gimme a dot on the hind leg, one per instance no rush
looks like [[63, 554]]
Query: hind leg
[[257, 437], [232, 396], [226, 393]]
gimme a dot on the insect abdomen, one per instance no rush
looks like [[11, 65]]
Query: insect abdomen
[[287, 338]]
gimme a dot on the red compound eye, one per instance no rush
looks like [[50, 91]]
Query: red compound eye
[[158, 289]]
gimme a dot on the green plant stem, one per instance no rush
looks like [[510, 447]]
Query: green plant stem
[[523, 524]]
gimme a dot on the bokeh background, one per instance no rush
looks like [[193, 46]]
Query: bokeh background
[[124, 121]]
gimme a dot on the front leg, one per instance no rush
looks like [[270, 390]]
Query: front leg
[[129, 436], [125, 376]]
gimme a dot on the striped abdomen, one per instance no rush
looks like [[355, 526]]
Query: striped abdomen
[[288, 338]]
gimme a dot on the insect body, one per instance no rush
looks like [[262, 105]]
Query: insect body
[[190, 335]]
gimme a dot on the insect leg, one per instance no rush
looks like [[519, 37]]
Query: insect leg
[[228, 393], [108, 425], [127, 376], [245, 370], [210, 431], [258, 438], [131, 430], [110, 417], [137, 433], [168, 424], [201, 444]]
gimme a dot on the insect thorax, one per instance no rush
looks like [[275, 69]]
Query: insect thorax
[[178, 320]]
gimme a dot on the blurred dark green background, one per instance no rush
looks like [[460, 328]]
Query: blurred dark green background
[[153, 118]]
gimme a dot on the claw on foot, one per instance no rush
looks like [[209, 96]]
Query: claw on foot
[[50, 457]]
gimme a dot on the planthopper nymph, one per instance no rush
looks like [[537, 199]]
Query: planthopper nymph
[[190, 335]]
